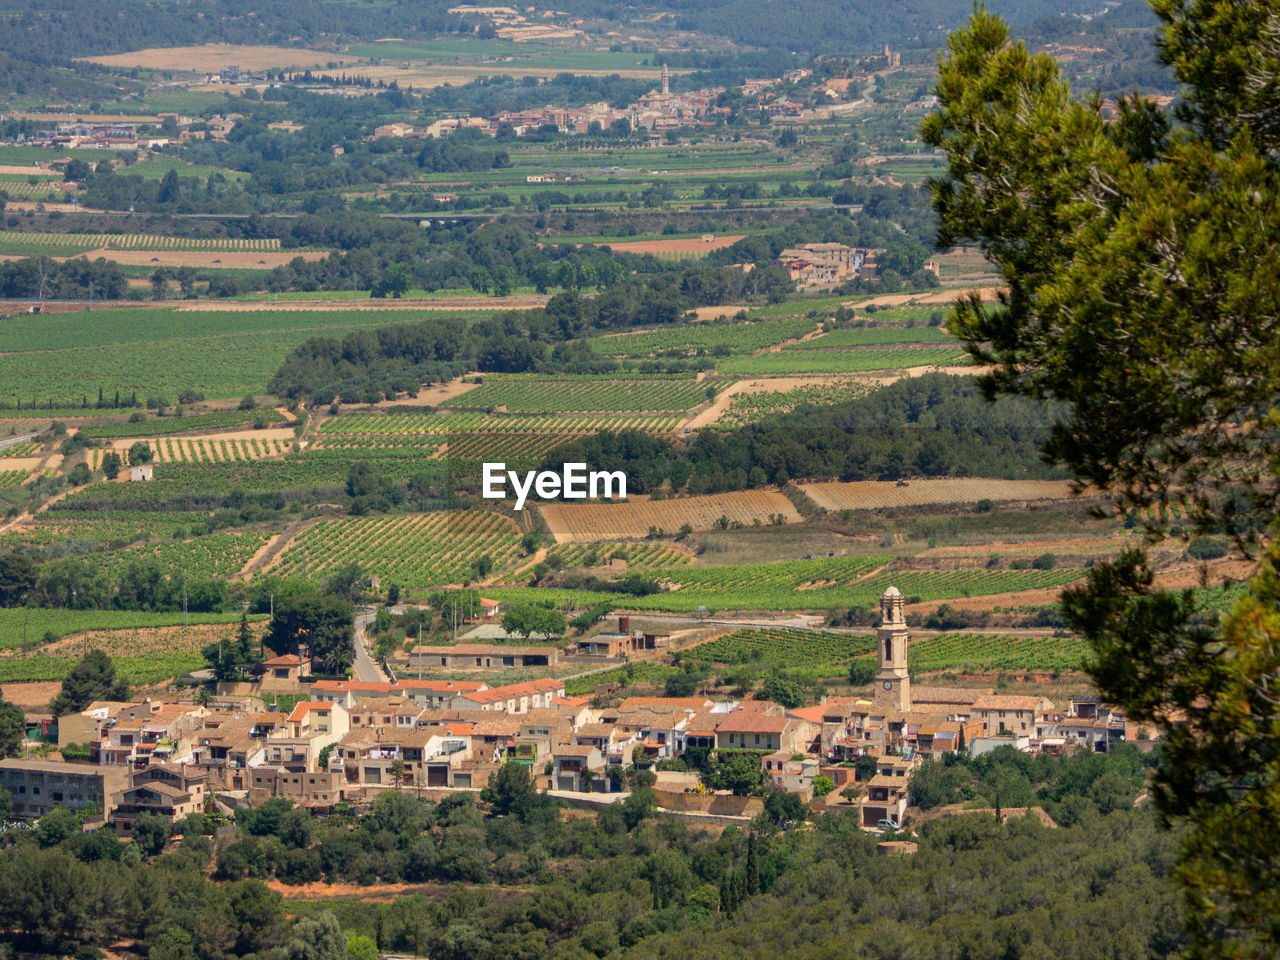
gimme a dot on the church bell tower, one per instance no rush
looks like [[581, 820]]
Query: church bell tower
[[893, 685]]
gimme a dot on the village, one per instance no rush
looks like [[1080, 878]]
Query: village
[[348, 740]]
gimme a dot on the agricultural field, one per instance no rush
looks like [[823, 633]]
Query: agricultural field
[[500, 447], [684, 340], [63, 243], [881, 494], [784, 647], [749, 405], [116, 529], [190, 423], [789, 360], [29, 625], [635, 556], [215, 448], [215, 556], [638, 517], [414, 550], [842, 581], [157, 351], [24, 449], [996, 652], [452, 424], [527, 394], [677, 248], [874, 336]]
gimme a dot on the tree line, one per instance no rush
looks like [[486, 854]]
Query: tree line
[[935, 425]]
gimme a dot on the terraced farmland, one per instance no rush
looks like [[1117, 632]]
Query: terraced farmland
[[414, 550]]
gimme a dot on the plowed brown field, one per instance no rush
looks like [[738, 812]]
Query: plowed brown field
[[588, 522], [876, 494]]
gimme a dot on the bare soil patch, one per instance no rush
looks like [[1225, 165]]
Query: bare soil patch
[[678, 245], [241, 260], [634, 517], [715, 313], [947, 296], [211, 57], [31, 696], [876, 494], [437, 394]]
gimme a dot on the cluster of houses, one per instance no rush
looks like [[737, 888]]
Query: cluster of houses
[[815, 265], [350, 739], [657, 110]]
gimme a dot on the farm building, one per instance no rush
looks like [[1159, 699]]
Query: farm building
[[140, 473], [475, 656]]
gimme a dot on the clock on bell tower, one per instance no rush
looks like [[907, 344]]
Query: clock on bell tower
[[893, 685]]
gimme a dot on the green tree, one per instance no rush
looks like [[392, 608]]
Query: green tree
[[1141, 258], [13, 727], [92, 678], [139, 453], [784, 692], [511, 791], [362, 948], [18, 575], [150, 833], [316, 938], [526, 619], [111, 464], [739, 772], [321, 623]]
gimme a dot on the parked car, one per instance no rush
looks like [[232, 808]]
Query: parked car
[[887, 825]]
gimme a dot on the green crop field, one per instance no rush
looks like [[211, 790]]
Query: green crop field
[[157, 351], [874, 336], [63, 243], [784, 647], [414, 550], [850, 360], [737, 337], [191, 423], [33, 623], [749, 407], [454, 425], [117, 529], [219, 555], [971, 651], [546, 395], [638, 556], [841, 581]]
